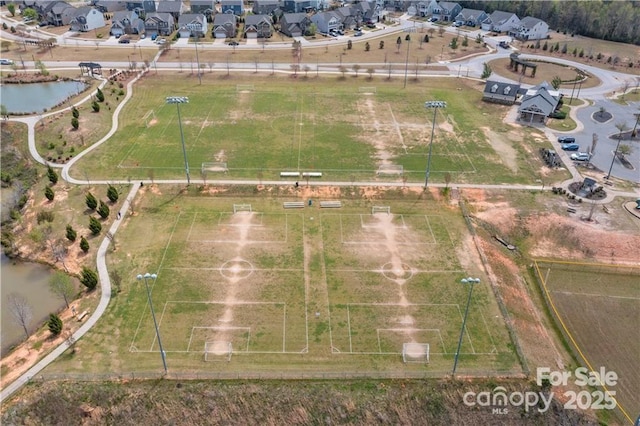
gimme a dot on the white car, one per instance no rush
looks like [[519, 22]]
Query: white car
[[581, 156], [6, 62]]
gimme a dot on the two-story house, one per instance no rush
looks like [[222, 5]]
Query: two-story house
[[446, 11], [158, 24], [126, 22], [531, 28], [265, 7], [173, 7], [471, 17], [296, 6], [501, 22], [327, 21], [109, 6], [232, 6], [192, 25], [206, 7], [257, 26], [294, 24], [224, 25], [87, 18], [142, 7]]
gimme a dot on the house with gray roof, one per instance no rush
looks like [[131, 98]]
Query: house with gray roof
[[471, 17], [87, 18], [327, 21], [296, 6], [501, 22], [224, 25], [126, 22], [500, 92], [159, 24], [192, 25], [265, 7], [232, 6], [531, 28], [109, 6], [294, 24], [257, 26], [174, 7], [538, 103], [142, 6], [206, 7], [446, 11]]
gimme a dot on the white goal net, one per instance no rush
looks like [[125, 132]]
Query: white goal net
[[390, 169], [242, 208], [415, 353], [380, 209], [217, 351], [215, 167]]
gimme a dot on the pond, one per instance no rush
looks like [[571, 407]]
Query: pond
[[31, 281], [35, 98]]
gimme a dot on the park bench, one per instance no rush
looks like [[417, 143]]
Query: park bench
[[82, 315], [312, 174], [293, 204], [289, 174], [330, 204], [571, 210]]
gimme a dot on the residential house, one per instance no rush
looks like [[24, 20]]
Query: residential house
[[57, 13], [538, 103], [87, 18], [531, 28], [224, 25], [126, 22], [265, 7], [365, 12], [257, 26], [206, 7], [158, 24], [421, 8], [109, 6], [296, 6], [174, 7], [446, 11], [294, 24], [192, 25], [232, 6], [327, 21], [471, 17], [142, 7], [501, 22], [500, 92]]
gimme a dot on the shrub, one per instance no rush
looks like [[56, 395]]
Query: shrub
[[71, 233], [44, 216]]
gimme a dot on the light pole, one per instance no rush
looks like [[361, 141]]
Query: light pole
[[471, 282], [146, 284], [181, 100], [406, 62], [622, 127], [432, 105]]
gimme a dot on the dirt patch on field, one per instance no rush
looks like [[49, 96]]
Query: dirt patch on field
[[503, 148]]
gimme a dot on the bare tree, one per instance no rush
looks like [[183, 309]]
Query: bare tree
[[371, 71], [356, 68], [592, 150], [62, 286], [21, 311]]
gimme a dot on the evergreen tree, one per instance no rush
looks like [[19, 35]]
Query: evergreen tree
[[426, 38], [465, 41], [48, 192], [52, 175], [94, 225], [95, 106], [103, 210], [91, 201], [84, 244], [54, 324], [71, 233], [75, 113], [112, 194], [381, 45], [89, 278], [75, 123], [99, 95]]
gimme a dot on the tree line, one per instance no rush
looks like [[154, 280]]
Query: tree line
[[606, 20]]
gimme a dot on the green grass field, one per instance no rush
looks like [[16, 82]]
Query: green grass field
[[325, 125], [294, 291], [599, 308]]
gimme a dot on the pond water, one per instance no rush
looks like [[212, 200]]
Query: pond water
[[37, 97], [31, 281]]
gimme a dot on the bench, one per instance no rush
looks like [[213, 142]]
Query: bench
[[289, 174], [312, 174], [293, 204], [330, 204], [571, 210], [82, 315]]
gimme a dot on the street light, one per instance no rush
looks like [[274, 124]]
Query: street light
[[181, 100], [432, 105], [471, 282], [146, 277], [622, 127]]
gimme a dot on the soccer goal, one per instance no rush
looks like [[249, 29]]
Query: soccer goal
[[243, 88], [217, 351], [242, 208], [380, 209], [215, 167], [390, 169], [149, 118], [367, 90], [415, 353]]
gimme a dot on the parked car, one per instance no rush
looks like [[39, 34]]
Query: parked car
[[6, 62], [233, 43], [580, 156], [371, 25], [504, 45], [457, 24], [566, 139], [124, 40], [433, 19], [154, 37], [570, 146], [340, 32], [357, 34]]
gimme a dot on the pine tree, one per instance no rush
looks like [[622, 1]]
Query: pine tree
[[54, 324], [91, 201], [52, 175], [103, 210], [94, 225], [95, 106], [75, 113], [48, 192], [84, 244], [89, 278], [99, 95], [71, 233], [112, 194], [75, 123]]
